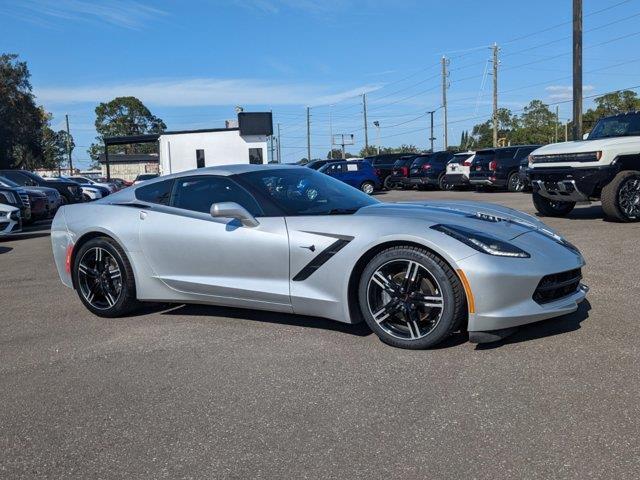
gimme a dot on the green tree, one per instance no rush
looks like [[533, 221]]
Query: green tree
[[124, 116], [334, 153], [537, 124], [482, 133], [610, 104], [21, 121], [369, 151]]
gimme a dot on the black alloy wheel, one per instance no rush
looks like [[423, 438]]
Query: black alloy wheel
[[411, 298], [103, 278]]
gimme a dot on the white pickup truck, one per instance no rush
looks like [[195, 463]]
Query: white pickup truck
[[604, 166]]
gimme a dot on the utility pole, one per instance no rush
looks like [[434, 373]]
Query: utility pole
[[308, 134], [366, 128], [431, 138], [577, 69], [444, 100], [66, 117], [279, 150], [495, 95], [331, 131], [557, 122], [566, 132]]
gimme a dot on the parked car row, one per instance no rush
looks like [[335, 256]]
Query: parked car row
[[37, 198]]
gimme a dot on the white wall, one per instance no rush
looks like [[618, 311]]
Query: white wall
[[178, 151]]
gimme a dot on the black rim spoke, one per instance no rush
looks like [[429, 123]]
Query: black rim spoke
[[99, 278], [405, 299]]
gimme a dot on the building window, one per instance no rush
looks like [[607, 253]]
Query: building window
[[200, 158], [255, 156]]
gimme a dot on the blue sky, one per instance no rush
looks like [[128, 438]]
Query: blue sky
[[191, 62]]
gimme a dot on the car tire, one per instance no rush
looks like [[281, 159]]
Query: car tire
[[443, 185], [550, 208], [86, 197], [388, 183], [367, 187], [514, 183], [621, 197], [417, 327], [99, 255]]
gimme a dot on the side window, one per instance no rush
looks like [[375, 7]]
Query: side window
[[334, 168], [199, 158], [199, 193], [15, 177], [158, 192], [505, 154], [523, 152]]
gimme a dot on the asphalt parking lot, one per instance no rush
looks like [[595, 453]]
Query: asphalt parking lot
[[204, 392]]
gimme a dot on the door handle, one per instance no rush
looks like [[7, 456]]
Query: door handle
[[143, 215]]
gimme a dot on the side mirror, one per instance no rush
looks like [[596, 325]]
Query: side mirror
[[585, 136], [233, 210]]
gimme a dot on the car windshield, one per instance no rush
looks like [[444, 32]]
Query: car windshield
[[303, 191], [5, 182], [626, 125]]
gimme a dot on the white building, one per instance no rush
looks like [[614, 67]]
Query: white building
[[180, 151], [190, 149]]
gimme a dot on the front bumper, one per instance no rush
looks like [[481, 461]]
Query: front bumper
[[570, 184], [503, 288]]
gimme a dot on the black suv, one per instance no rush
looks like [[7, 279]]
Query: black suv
[[400, 171], [499, 167], [71, 192], [428, 170], [16, 197], [383, 164]]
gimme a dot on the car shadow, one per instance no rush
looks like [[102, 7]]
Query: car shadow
[[592, 212], [358, 329], [5, 250], [38, 229], [545, 328]]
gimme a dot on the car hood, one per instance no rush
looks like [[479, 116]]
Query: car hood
[[501, 222], [583, 145], [46, 190]]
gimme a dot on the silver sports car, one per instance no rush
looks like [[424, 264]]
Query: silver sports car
[[291, 239]]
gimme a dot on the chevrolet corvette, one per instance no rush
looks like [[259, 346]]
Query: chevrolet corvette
[[293, 240]]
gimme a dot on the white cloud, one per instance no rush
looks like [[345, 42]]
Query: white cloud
[[203, 92], [121, 13], [565, 92]]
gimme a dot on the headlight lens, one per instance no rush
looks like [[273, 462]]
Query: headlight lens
[[482, 242]]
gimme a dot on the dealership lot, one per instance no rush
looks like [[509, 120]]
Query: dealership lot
[[194, 391]]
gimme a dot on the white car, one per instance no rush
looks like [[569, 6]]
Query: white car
[[90, 193], [87, 181], [458, 170], [604, 166], [10, 221]]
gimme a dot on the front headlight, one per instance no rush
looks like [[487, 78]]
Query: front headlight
[[482, 242]]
